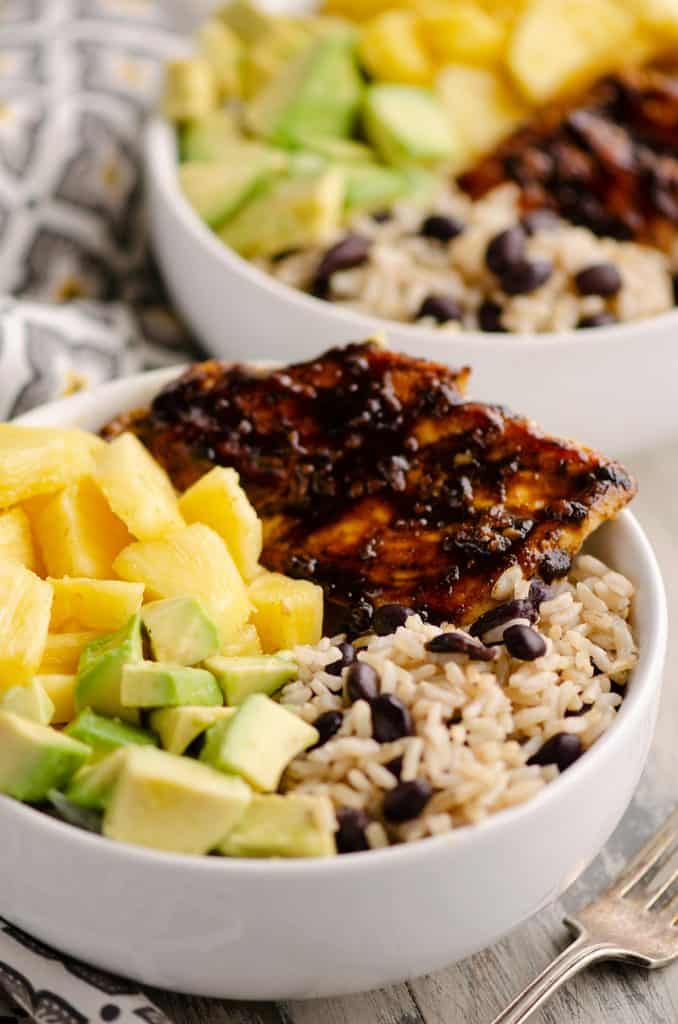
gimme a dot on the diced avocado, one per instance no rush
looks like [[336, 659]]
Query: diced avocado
[[341, 151], [216, 191], [180, 630], [159, 684], [407, 124], [30, 701], [282, 826], [35, 758], [173, 803], [373, 187], [301, 163], [319, 93], [268, 56], [190, 89], [104, 735], [93, 784], [223, 51], [211, 137], [422, 185], [258, 742], [288, 214], [240, 677], [179, 727], [100, 671]]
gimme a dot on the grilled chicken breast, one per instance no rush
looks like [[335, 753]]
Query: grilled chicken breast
[[376, 478]]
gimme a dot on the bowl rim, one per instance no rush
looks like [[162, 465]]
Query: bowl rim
[[160, 159], [646, 678]]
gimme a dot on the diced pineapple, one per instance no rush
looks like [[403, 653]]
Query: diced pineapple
[[16, 539], [483, 108], [223, 51], [77, 533], [462, 32], [42, 460], [102, 605], [25, 604], [191, 562], [287, 612], [245, 644], [61, 691], [191, 89], [137, 488], [559, 45], [391, 49], [218, 500], [62, 652], [360, 10]]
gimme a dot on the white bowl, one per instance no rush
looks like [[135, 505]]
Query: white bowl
[[612, 387], [279, 930]]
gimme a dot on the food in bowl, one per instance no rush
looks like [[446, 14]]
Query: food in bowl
[[370, 194], [206, 701]]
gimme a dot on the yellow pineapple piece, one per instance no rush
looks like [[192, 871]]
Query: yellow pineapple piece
[[391, 49], [62, 651], [16, 539], [245, 644], [559, 45], [137, 488], [191, 562], [223, 51], [61, 691], [361, 10], [102, 605], [218, 500], [483, 108], [25, 605], [77, 533], [462, 32], [42, 460], [191, 88], [286, 612]]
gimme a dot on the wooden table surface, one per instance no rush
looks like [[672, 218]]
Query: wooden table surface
[[474, 991]]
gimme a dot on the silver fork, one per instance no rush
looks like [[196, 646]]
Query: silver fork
[[635, 921]]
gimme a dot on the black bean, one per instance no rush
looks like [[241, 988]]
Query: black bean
[[539, 220], [524, 643], [598, 320], [460, 643], [350, 835], [598, 279], [441, 308], [327, 725], [390, 719], [406, 800], [525, 277], [517, 609], [335, 668], [362, 682], [562, 749], [381, 216], [489, 317], [387, 618], [505, 249], [441, 227], [395, 766], [538, 593], [555, 564], [351, 251], [596, 671]]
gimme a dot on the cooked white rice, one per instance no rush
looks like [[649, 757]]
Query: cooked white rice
[[476, 724]]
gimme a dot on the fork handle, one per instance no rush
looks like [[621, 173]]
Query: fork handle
[[582, 952]]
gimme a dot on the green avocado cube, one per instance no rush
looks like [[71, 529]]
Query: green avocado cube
[[258, 742], [92, 786], [283, 826], [373, 187], [31, 701], [210, 138], [341, 151], [179, 727], [240, 677], [217, 190], [159, 684], [408, 124], [180, 630], [35, 758], [100, 671], [104, 735], [172, 803]]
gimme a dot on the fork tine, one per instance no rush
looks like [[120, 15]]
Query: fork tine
[[647, 857], [656, 894]]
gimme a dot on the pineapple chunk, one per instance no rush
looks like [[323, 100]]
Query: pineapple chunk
[[77, 533], [391, 50], [463, 32], [192, 562], [191, 89], [287, 612], [102, 605], [218, 500], [560, 45], [360, 10], [61, 691], [16, 539], [25, 605], [137, 488], [223, 51], [62, 651], [245, 644], [42, 460], [482, 106]]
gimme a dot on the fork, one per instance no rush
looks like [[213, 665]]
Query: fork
[[634, 921]]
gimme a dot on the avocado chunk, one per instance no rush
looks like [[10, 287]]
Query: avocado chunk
[[216, 191], [210, 138], [240, 677], [372, 187], [288, 214], [100, 671], [341, 151], [283, 826], [258, 742], [105, 735], [35, 758], [31, 701], [159, 684], [172, 803], [180, 630], [92, 785], [407, 124], [179, 727], [319, 93]]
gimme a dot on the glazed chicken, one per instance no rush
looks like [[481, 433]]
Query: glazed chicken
[[377, 479]]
